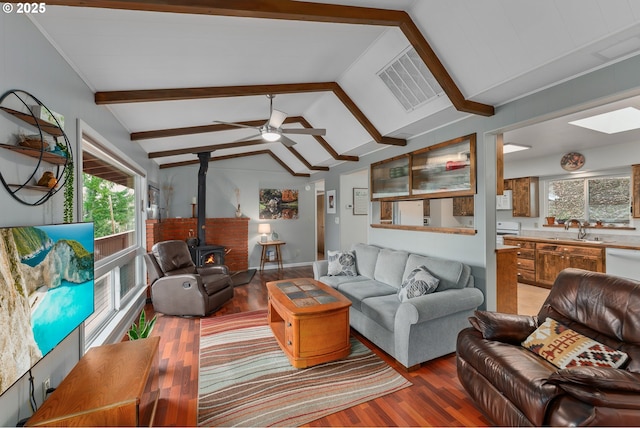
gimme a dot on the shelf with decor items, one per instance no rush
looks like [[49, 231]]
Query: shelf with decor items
[[53, 162]]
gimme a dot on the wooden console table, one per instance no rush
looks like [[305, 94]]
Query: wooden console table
[[278, 257], [112, 385]]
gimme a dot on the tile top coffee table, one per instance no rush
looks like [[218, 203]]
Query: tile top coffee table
[[309, 320]]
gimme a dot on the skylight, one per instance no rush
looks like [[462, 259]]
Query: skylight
[[612, 122]]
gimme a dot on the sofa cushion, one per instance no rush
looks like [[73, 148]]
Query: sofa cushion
[[366, 257], [341, 263], [358, 291], [451, 273], [418, 283], [381, 309], [390, 267], [564, 347], [517, 373], [336, 281]]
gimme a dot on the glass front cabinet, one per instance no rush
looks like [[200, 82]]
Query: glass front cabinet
[[390, 178]]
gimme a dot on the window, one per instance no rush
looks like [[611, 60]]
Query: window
[[607, 199], [111, 187]]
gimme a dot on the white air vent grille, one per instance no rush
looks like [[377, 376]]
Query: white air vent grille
[[410, 80]]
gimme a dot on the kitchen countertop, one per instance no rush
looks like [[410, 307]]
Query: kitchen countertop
[[568, 241]]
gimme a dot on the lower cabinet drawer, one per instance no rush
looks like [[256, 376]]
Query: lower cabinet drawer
[[526, 274]]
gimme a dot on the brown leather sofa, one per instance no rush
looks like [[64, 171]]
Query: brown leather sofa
[[513, 386], [178, 287]]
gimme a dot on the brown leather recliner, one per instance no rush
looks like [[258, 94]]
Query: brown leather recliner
[[178, 287], [515, 387]]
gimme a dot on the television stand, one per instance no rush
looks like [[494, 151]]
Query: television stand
[[112, 385]]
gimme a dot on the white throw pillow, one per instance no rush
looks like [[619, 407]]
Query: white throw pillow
[[418, 283], [342, 263]]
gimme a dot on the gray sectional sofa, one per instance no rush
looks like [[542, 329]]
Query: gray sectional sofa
[[418, 329]]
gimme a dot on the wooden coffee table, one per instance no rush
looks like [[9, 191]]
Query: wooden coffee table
[[309, 320]]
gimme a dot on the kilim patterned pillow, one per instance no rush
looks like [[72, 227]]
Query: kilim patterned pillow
[[342, 263], [566, 348]]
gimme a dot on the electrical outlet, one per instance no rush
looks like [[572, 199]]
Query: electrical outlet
[[46, 384]]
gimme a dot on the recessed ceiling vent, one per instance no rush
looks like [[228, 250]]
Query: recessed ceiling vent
[[410, 80]]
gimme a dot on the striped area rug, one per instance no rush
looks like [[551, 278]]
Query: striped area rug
[[246, 380]]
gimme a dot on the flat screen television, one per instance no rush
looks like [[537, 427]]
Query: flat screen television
[[46, 291]]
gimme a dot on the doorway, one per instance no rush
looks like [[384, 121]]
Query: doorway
[[320, 220]]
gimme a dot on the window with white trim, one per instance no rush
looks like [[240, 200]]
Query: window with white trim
[[606, 199], [111, 191]]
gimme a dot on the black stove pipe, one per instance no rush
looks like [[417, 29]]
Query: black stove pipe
[[202, 195]]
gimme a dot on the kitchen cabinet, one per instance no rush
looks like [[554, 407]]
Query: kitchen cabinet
[[524, 196], [463, 206], [553, 258], [390, 178], [525, 260], [635, 191]]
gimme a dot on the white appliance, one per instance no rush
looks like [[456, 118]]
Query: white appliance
[[506, 228], [623, 262], [505, 201]]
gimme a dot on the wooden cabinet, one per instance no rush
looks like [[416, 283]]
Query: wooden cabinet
[[553, 258], [506, 281], [463, 206], [112, 385], [635, 191], [390, 178], [525, 260], [525, 196]]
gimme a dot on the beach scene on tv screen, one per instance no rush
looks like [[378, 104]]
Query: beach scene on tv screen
[[46, 291]]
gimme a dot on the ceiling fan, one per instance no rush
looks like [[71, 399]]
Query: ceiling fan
[[271, 131]]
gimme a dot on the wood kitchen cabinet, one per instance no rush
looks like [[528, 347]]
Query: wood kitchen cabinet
[[463, 206], [553, 258], [525, 196], [525, 260]]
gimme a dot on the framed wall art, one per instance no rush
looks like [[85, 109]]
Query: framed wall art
[[278, 204], [360, 201], [331, 202]]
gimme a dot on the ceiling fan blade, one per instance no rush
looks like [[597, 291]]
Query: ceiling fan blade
[[287, 141], [304, 131], [277, 118], [251, 137], [239, 125]]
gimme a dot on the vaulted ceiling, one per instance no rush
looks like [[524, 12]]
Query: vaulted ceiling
[[169, 69]]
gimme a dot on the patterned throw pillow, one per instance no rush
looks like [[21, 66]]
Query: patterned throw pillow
[[418, 283], [565, 348], [342, 263]]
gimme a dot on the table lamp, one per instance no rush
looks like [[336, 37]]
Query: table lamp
[[264, 229]]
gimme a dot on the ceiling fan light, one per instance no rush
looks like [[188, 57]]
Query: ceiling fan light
[[270, 136]]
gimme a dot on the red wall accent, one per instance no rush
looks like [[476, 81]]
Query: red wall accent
[[231, 233]]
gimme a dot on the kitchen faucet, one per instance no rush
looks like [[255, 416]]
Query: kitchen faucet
[[581, 230]]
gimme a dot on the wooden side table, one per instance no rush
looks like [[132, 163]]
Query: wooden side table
[[264, 258]]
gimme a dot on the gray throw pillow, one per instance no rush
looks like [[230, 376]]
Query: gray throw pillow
[[418, 283], [342, 263]]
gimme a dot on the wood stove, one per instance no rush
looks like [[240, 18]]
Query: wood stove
[[204, 255], [201, 253]]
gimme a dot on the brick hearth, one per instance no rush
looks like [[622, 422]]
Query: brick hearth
[[231, 233]]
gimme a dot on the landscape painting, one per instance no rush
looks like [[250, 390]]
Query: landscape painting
[[278, 204], [46, 290]]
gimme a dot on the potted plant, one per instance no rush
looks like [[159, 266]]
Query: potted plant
[[143, 329]]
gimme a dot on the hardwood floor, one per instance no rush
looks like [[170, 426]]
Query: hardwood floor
[[435, 399]]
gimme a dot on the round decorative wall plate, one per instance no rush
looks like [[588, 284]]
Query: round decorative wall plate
[[572, 161]]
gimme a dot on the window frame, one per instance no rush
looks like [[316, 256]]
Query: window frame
[[603, 175], [86, 137]]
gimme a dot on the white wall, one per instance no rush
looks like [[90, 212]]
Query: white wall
[[249, 176], [30, 63], [353, 228]]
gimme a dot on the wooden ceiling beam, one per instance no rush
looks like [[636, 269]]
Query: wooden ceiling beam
[[173, 94], [235, 156], [306, 11], [174, 132]]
